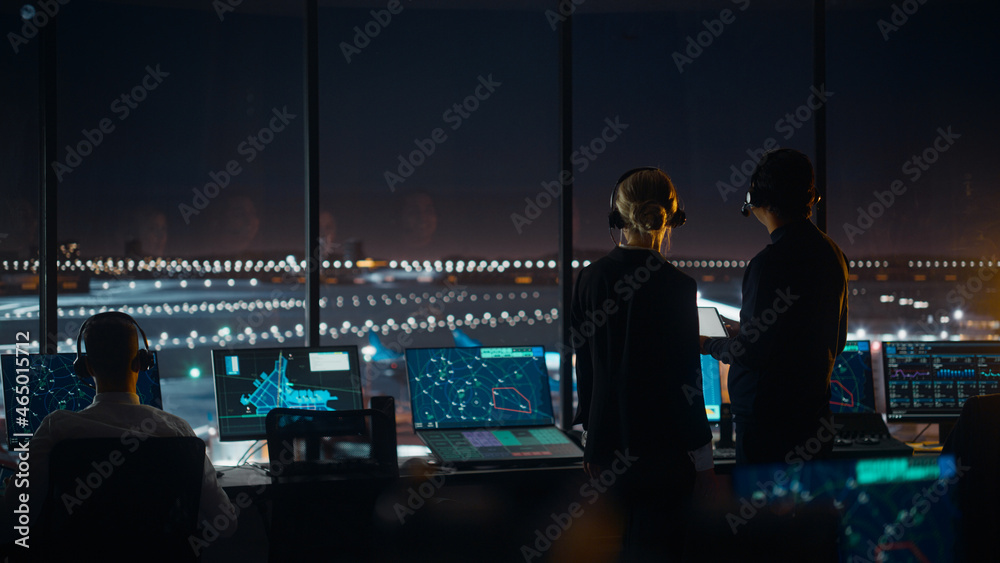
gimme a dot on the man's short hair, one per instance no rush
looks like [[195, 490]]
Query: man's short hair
[[110, 343], [784, 182]]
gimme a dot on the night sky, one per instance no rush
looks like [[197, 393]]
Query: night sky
[[226, 78]]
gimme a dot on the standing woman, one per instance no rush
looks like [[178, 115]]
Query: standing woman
[[635, 330]]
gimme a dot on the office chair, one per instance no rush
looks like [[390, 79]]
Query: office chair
[[975, 442], [107, 503]]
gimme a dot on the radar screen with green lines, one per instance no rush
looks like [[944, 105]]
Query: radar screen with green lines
[[35, 385], [852, 386], [485, 405]]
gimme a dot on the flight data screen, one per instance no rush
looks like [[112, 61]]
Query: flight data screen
[[251, 382], [478, 387], [928, 381]]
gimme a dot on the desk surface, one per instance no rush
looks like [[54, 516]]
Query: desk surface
[[255, 476]]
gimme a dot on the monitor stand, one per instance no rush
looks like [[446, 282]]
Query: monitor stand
[[944, 430]]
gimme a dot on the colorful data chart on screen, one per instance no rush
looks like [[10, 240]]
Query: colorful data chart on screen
[[929, 380]]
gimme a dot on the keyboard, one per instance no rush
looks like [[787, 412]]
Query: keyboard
[[865, 429], [724, 453]]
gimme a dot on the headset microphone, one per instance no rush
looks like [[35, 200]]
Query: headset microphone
[[745, 210]]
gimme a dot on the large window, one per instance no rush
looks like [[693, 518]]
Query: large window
[[912, 169], [19, 214], [699, 91], [181, 186], [438, 128]]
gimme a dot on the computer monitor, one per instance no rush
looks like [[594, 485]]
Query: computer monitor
[[51, 384], [711, 386], [874, 499], [479, 387], [250, 382], [930, 381], [852, 385]]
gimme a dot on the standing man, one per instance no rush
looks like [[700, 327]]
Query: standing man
[[793, 322]]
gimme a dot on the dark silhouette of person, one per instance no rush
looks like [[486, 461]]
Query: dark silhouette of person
[[635, 331], [793, 322]]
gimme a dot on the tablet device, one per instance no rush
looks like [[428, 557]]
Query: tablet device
[[710, 323]]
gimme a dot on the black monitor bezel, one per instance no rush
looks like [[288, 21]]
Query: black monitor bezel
[[230, 436], [704, 395], [948, 417], [409, 387], [871, 378], [9, 402]]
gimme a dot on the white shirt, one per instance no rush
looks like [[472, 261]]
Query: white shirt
[[120, 415]]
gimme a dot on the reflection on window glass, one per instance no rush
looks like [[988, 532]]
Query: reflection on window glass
[[430, 154], [912, 173]]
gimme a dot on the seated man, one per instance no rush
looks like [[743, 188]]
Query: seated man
[[114, 359]]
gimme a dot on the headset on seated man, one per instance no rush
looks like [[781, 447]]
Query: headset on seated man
[[143, 356]]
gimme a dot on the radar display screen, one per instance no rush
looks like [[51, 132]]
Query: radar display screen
[[479, 387], [51, 384], [852, 386]]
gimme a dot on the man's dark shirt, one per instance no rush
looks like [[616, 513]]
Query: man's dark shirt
[[793, 324]]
